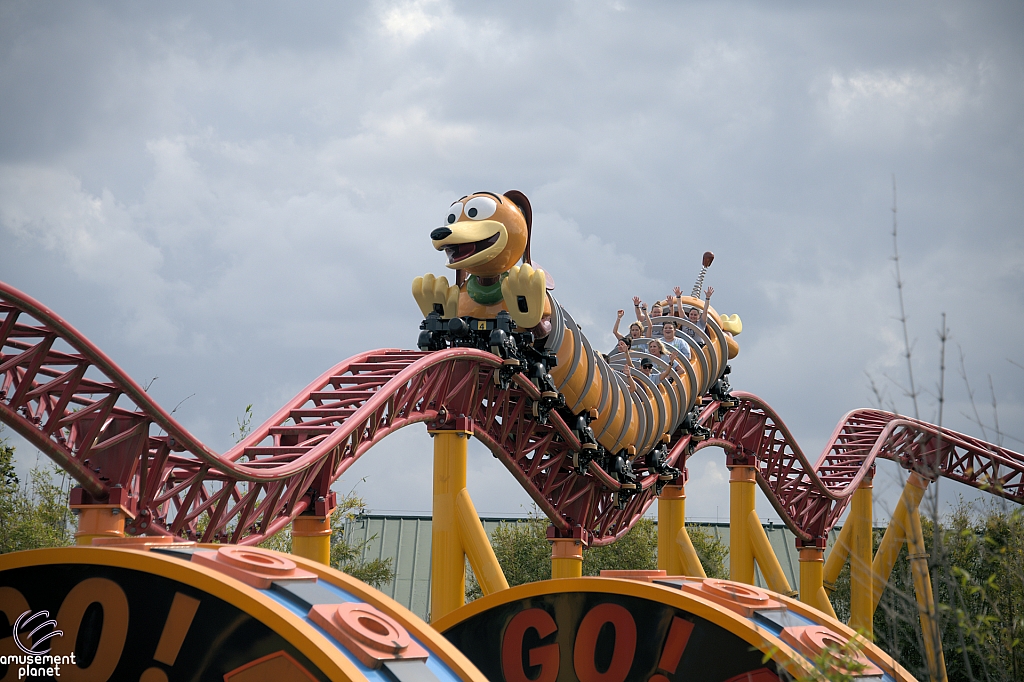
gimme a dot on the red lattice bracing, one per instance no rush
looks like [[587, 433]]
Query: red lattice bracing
[[811, 497], [72, 402]]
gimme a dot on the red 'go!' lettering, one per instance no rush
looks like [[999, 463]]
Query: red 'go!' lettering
[[675, 643], [585, 649], [512, 647]]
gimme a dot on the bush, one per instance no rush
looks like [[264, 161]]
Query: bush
[[524, 553], [636, 550], [976, 561], [710, 550], [345, 556], [36, 514]]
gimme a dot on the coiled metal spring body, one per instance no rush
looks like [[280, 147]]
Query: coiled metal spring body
[[634, 422]]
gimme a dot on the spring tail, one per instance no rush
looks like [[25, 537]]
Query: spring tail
[[705, 264]]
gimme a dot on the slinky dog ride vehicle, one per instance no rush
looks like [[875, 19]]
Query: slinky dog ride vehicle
[[502, 303]]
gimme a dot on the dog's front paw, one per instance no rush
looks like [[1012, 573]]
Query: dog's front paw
[[429, 290], [524, 293]]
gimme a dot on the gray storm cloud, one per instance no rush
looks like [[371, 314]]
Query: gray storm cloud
[[234, 198]]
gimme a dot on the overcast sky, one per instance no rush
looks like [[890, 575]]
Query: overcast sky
[[234, 197]]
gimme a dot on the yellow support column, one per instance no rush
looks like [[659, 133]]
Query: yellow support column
[[311, 538], [691, 562], [861, 548], [478, 548], [769, 564], [895, 534], [812, 592], [447, 555], [98, 521], [671, 519], [837, 558], [676, 555], [934, 656], [741, 504], [566, 557]]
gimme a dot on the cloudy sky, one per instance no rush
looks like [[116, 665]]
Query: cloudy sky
[[234, 197]]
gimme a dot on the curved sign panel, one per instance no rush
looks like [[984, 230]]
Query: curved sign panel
[[608, 630], [218, 613], [118, 623]]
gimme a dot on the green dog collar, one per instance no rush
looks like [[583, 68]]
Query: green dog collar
[[484, 294]]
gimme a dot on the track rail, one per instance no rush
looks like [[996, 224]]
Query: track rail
[[811, 496], [75, 404], [70, 400]]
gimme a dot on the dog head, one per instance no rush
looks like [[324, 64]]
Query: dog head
[[485, 234]]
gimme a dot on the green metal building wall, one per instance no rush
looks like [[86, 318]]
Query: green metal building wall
[[406, 540]]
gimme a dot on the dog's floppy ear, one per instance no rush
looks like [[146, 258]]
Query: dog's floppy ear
[[520, 200]]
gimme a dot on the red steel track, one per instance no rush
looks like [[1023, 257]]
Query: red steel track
[[811, 496], [83, 411], [72, 402]]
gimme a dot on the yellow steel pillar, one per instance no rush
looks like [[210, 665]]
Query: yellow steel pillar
[[311, 538], [98, 521], [837, 558], [690, 560], [447, 555], [741, 505], [478, 548], [769, 564], [895, 534], [676, 555], [671, 519], [861, 548], [566, 557], [905, 526], [812, 592], [747, 540], [925, 599]]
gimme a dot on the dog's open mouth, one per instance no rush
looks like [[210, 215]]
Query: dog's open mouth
[[459, 252]]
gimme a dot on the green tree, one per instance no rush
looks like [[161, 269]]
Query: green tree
[[35, 514], [345, 556], [636, 550], [524, 553], [976, 561], [522, 550], [710, 550]]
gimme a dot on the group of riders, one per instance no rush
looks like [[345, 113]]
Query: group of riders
[[658, 333]]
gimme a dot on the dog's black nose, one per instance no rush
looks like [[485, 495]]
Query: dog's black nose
[[440, 233]]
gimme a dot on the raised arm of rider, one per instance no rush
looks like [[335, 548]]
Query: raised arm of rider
[[636, 308], [707, 304], [629, 372], [618, 319]]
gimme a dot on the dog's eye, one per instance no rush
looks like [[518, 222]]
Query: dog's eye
[[454, 213], [479, 208]]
